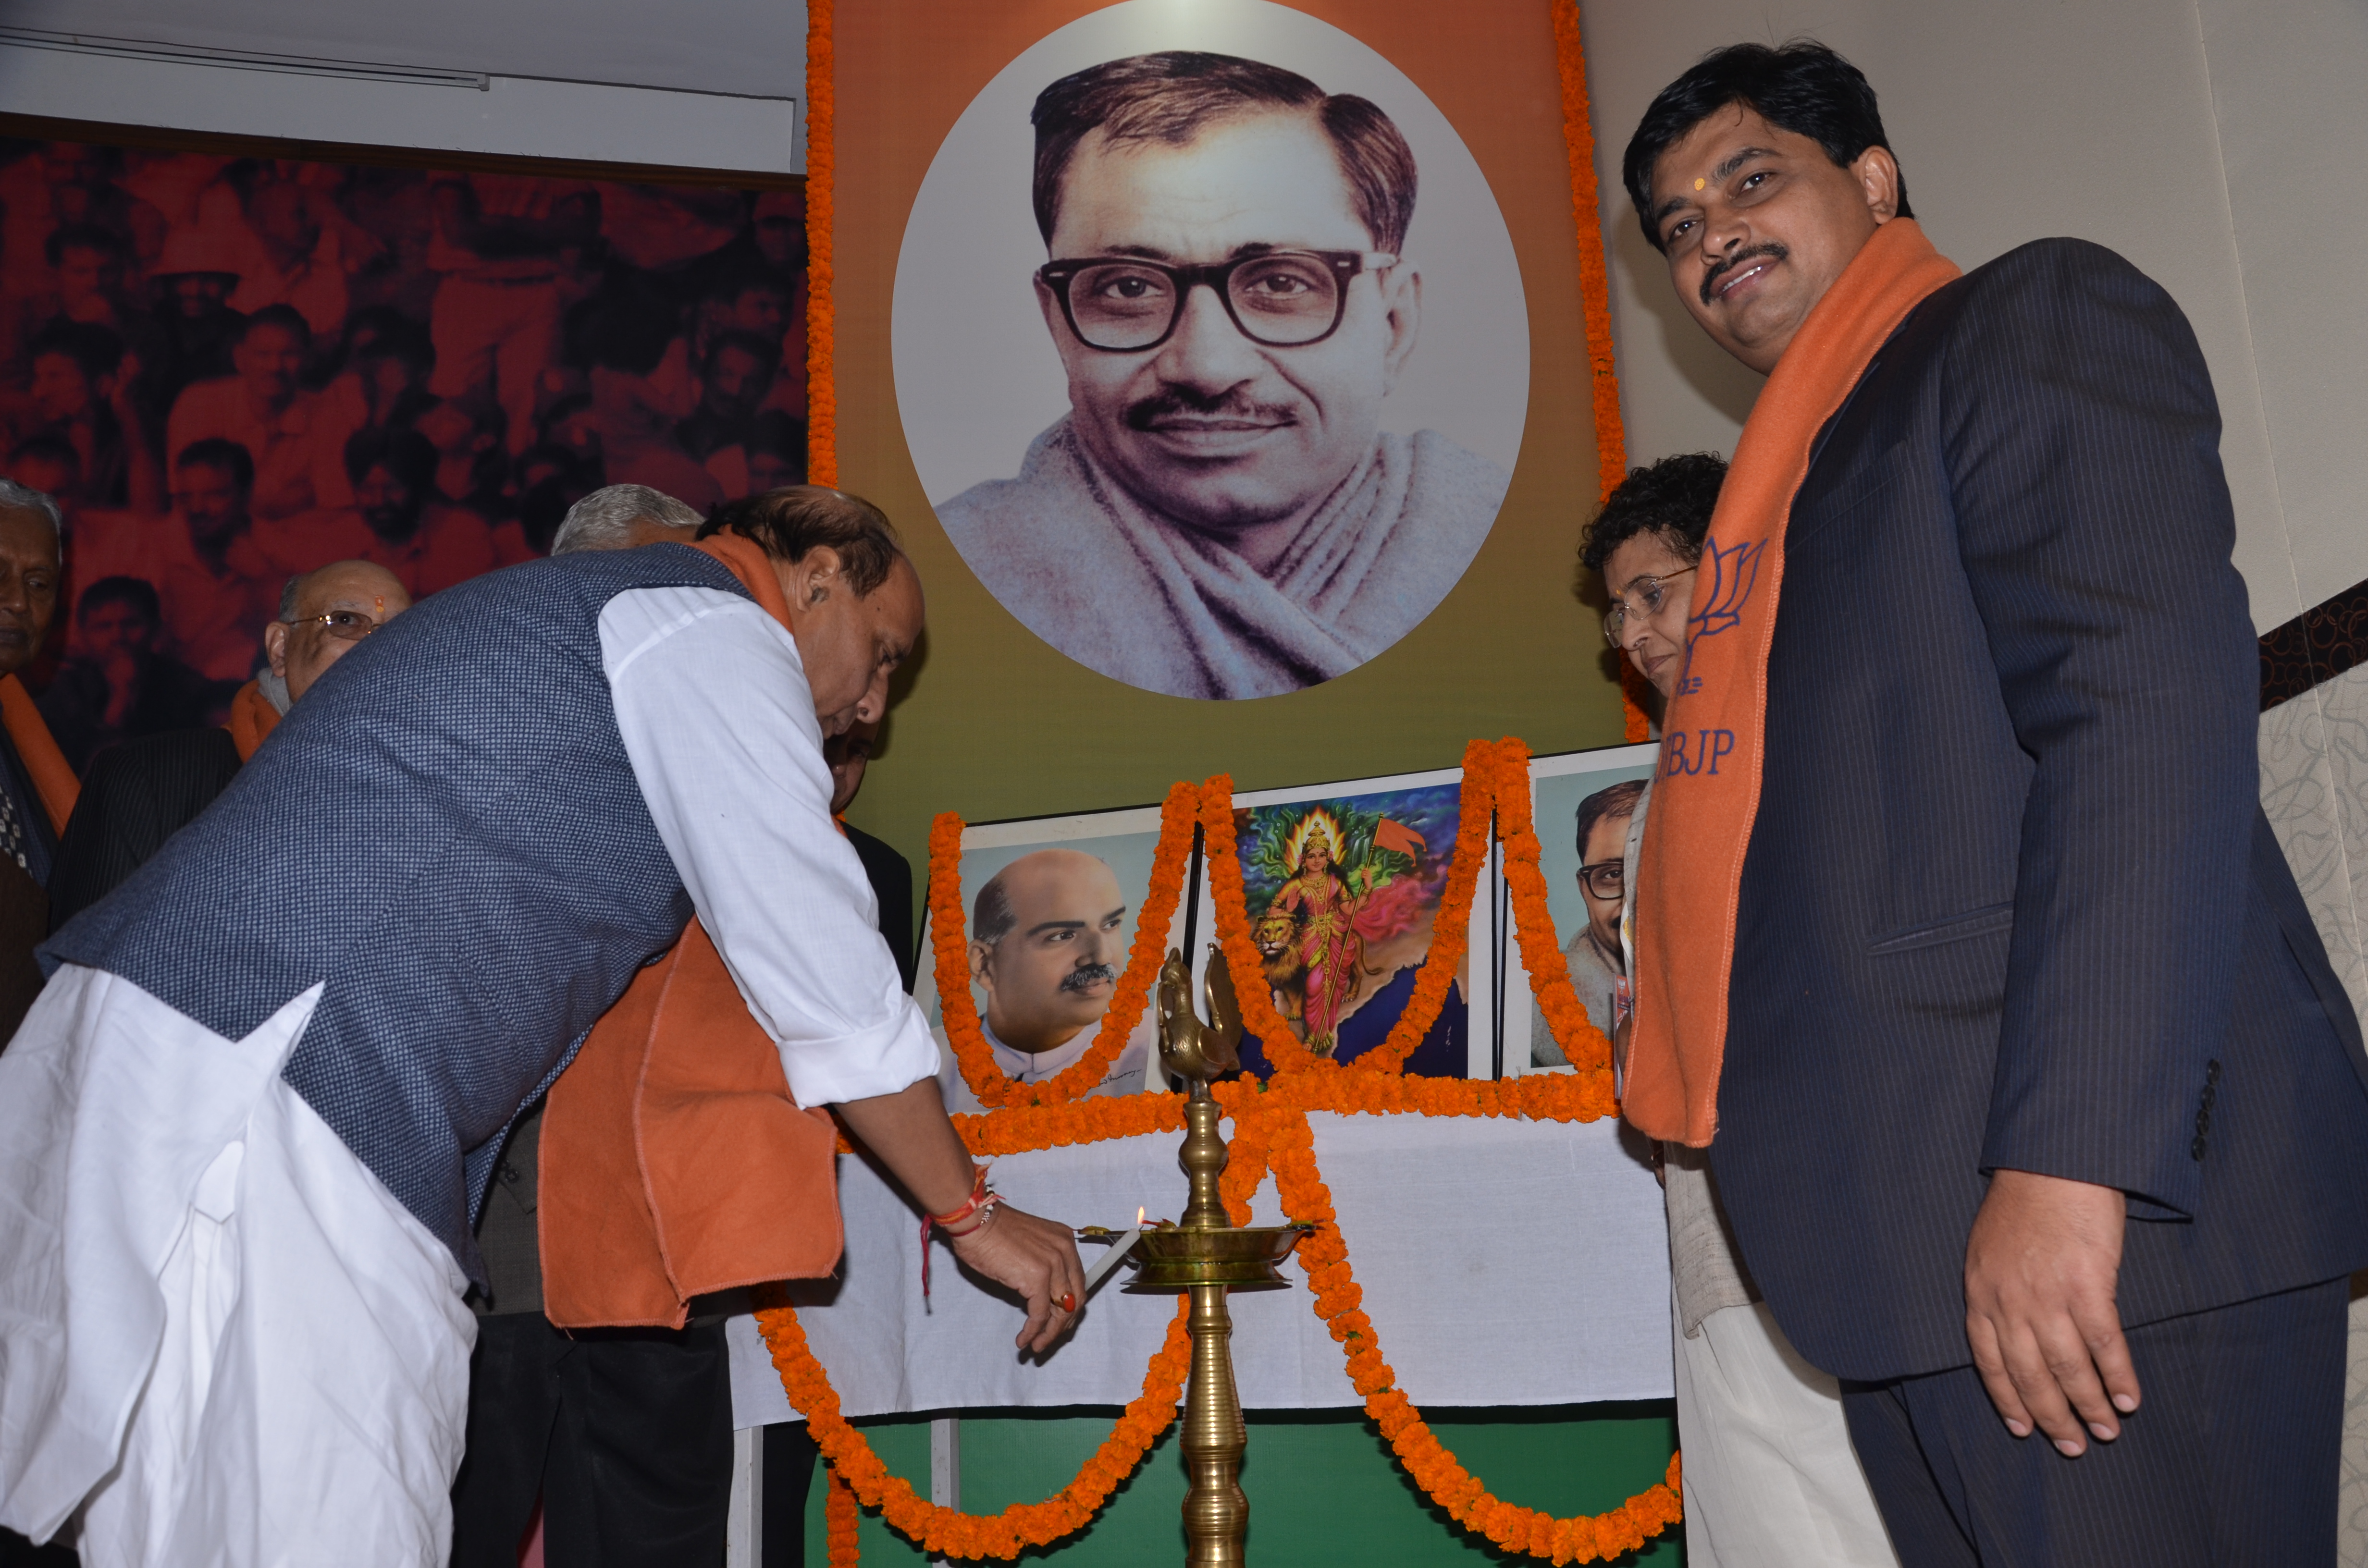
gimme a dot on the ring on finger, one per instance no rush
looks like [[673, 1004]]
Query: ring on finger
[[1066, 1300]]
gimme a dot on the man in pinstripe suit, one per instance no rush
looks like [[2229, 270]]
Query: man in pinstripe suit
[[2041, 1110]]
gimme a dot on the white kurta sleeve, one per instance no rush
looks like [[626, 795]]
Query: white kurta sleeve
[[719, 723]]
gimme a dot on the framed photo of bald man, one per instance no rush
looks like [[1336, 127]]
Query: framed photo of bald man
[[1210, 347], [1051, 909]]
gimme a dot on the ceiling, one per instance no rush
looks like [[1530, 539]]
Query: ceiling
[[752, 47]]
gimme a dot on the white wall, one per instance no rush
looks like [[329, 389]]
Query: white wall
[[753, 48], [2207, 145], [714, 84]]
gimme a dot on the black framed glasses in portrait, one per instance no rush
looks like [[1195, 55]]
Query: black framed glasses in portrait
[[1604, 880], [1283, 299]]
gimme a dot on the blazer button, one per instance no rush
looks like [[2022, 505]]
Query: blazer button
[[2196, 1148]]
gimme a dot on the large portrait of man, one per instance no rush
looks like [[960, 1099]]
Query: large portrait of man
[[1227, 499]]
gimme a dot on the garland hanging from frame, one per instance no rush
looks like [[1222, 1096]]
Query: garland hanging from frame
[[1272, 1132]]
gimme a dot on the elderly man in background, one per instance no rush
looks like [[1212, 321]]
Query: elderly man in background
[[144, 790], [1048, 938], [37, 787], [1220, 513]]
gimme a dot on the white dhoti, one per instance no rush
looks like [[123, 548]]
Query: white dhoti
[[222, 1340], [1771, 1477]]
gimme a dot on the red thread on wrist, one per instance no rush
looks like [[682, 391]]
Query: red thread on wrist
[[967, 1217]]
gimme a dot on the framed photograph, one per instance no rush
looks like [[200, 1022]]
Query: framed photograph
[[1582, 804], [1050, 908], [1342, 883], [1211, 346]]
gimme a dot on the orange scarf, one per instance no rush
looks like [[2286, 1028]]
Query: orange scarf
[[675, 1161], [1706, 790], [54, 780], [251, 718]]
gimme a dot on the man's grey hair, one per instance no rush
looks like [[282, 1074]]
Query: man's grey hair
[[289, 595], [26, 498], [604, 519]]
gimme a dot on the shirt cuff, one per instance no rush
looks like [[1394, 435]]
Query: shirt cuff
[[894, 1055]]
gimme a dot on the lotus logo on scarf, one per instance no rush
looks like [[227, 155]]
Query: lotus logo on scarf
[[1732, 573]]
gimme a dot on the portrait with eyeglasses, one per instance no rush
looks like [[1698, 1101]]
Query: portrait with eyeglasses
[[1583, 819], [1227, 272]]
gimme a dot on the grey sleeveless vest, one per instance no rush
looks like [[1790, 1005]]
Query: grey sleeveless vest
[[448, 832]]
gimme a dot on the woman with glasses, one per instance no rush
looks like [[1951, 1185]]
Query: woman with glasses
[[1771, 1477]]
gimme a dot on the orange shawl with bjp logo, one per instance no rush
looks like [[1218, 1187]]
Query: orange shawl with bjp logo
[[674, 1160], [251, 718], [1706, 788]]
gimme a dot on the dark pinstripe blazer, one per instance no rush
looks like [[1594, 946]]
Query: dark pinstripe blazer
[[2010, 899], [135, 795]]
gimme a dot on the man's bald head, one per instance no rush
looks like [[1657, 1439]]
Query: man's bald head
[[322, 614], [1047, 941], [29, 573]]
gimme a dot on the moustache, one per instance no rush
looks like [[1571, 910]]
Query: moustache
[[1084, 975], [1227, 404], [1770, 249]]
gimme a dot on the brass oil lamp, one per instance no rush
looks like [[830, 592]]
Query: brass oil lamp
[[1209, 1256]]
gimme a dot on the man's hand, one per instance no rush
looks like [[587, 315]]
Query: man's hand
[[2040, 1270], [1035, 1257], [907, 1132]]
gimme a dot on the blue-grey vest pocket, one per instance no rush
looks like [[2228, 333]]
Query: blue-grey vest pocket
[[1956, 929]]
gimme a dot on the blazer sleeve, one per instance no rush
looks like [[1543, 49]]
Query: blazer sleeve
[[2081, 440]]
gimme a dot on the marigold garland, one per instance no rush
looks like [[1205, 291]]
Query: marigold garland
[[1583, 1045], [950, 1531], [1586, 222], [842, 1517], [1495, 778], [822, 181], [1595, 299], [1025, 1127], [1128, 998], [1271, 1131], [1284, 1053], [1324, 1257]]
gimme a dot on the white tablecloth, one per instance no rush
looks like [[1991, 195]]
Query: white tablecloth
[[1503, 1262]]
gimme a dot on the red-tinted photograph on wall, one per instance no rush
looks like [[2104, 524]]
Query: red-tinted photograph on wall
[[230, 368]]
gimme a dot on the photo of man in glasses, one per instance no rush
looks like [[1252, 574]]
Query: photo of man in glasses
[[1221, 513], [1597, 969]]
